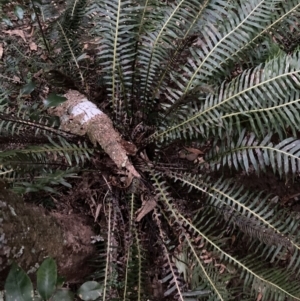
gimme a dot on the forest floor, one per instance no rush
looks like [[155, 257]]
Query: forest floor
[[20, 49]]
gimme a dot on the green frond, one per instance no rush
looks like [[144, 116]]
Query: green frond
[[28, 119], [210, 12], [192, 266], [254, 214], [134, 282], [107, 243], [48, 11], [68, 27], [45, 181], [265, 52], [177, 23], [273, 283], [220, 43], [284, 13], [214, 281], [171, 271], [199, 273], [285, 31], [248, 153], [40, 154], [31, 168], [118, 32], [257, 96], [108, 270], [68, 49]]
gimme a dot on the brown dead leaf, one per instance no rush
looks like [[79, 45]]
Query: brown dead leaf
[[147, 206], [221, 267], [16, 32], [201, 160], [33, 46], [190, 153], [129, 147], [233, 238], [209, 260], [195, 151], [39, 73], [97, 212], [182, 154], [16, 79], [1, 50], [191, 157], [44, 57], [127, 180]]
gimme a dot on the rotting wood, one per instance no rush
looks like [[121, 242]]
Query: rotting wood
[[80, 116]]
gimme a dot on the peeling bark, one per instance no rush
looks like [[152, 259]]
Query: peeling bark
[[28, 234], [80, 116]]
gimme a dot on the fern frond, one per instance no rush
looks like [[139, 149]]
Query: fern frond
[[256, 275], [209, 273], [286, 31], [199, 273], [254, 214], [177, 23], [171, 271], [134, 283], [105, 270], [31, 168], [118, 32], [40, 154], [69, 32], [250, 96], [208, 276], [29, 120], [69, 47], [215, 55], [45, 181], [108, 253], [248, 153], [278, 17]]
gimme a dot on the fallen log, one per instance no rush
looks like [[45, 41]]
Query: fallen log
[[80, 116]]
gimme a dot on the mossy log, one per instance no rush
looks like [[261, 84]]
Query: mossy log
[[29, 234], [80, 116]]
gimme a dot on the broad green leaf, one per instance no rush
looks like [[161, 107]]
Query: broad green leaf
[[28, 88], [90, 290], [46, 278], [19, 12], [53, 100], [62, 295], [18, 286]]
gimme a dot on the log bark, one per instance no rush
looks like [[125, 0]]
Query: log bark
[[80, 116], [28, 234]]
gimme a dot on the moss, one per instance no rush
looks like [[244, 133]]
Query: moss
[[27, 234]]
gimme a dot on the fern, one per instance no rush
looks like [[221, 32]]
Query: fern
[[217, 79], [254, 276], [249, 153]]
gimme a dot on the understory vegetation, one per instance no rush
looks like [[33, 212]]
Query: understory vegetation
[[205, 95]]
